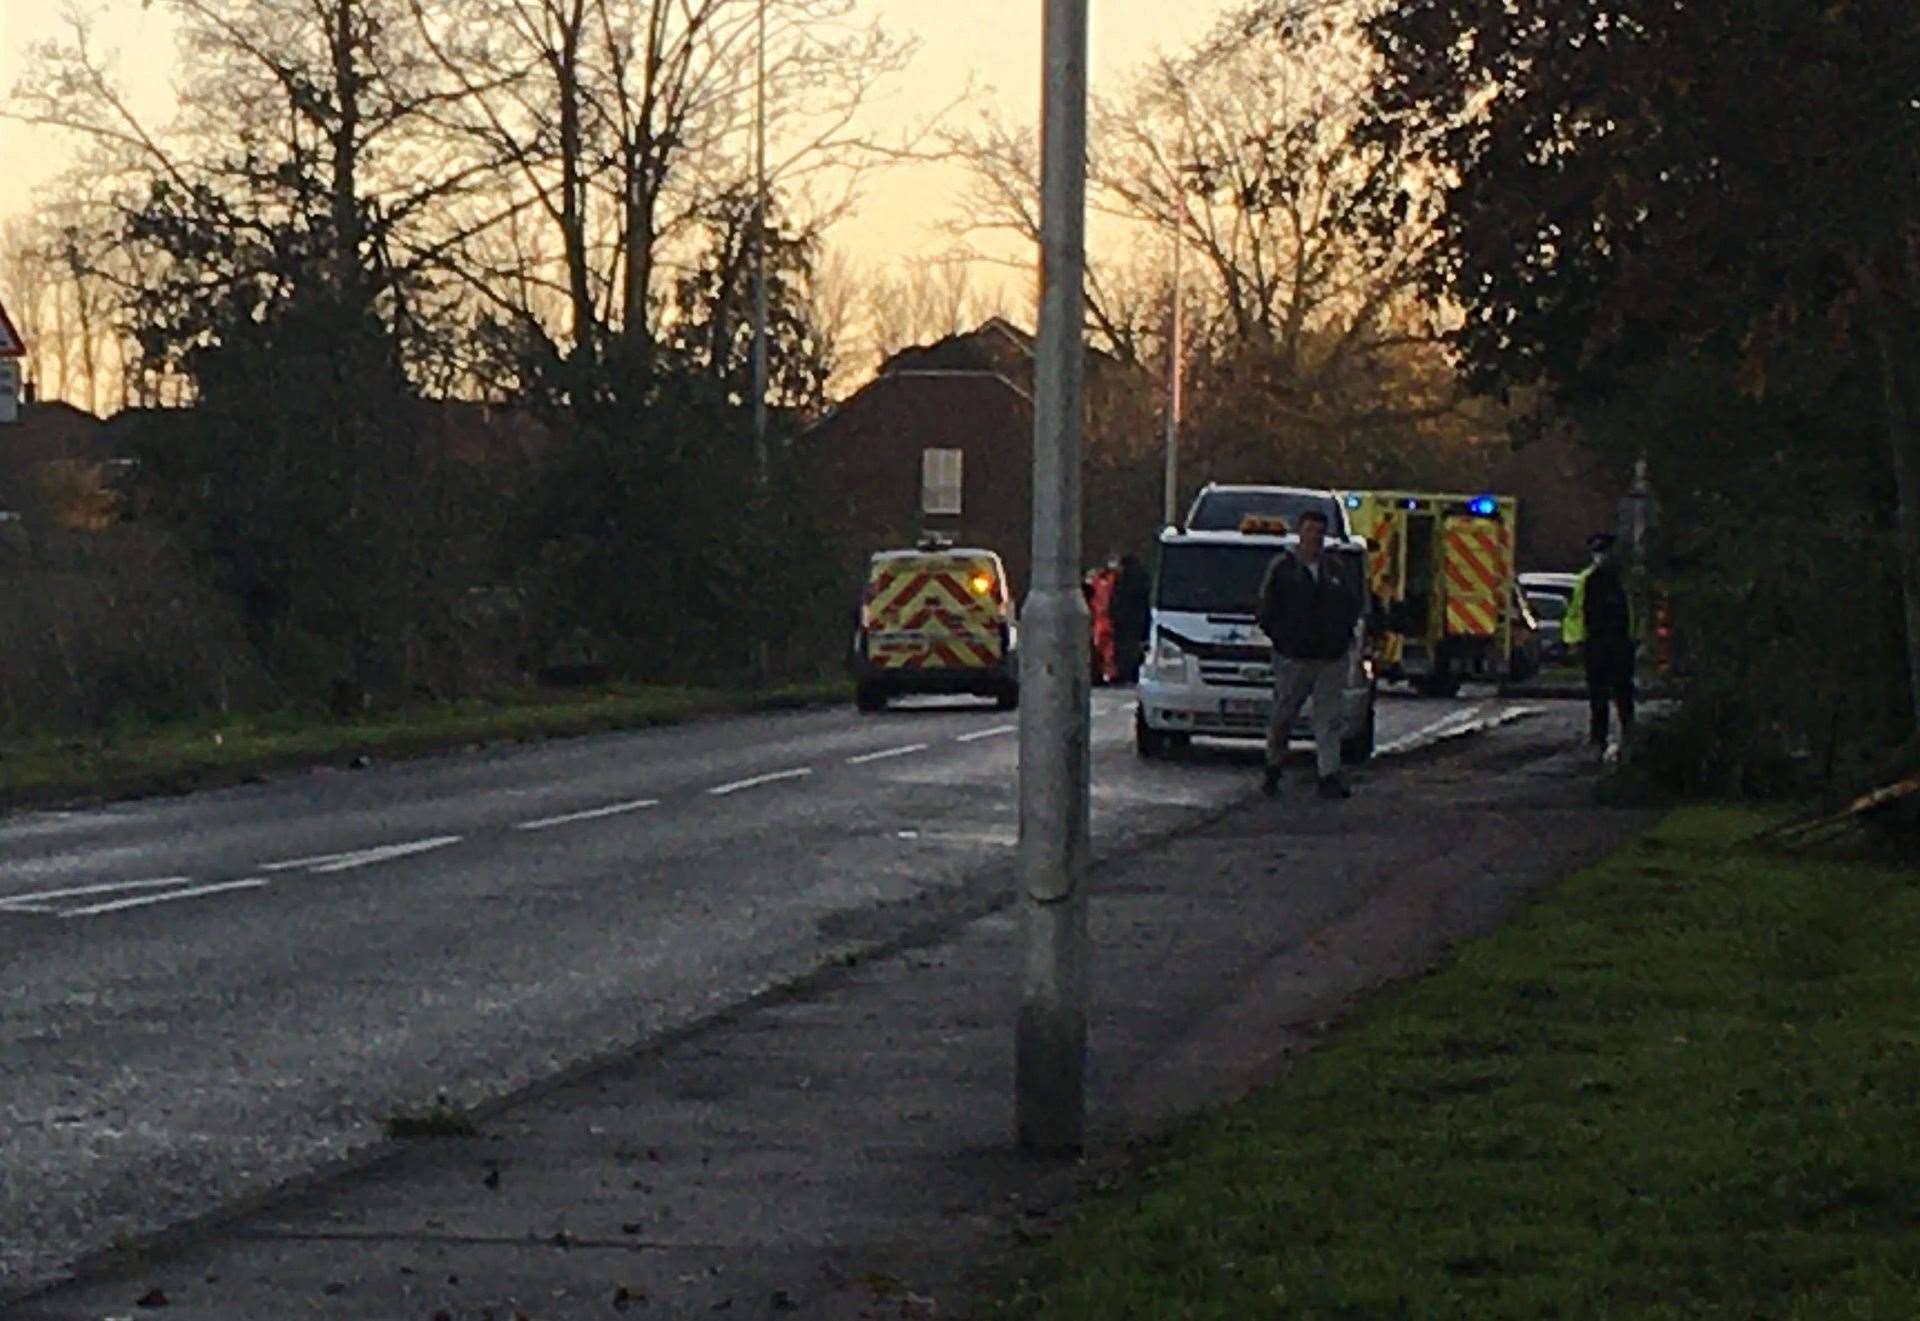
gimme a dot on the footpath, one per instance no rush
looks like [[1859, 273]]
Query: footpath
[[844, 1150]]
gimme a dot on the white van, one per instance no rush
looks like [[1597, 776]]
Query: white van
[[1223, 508], [1209, 666]]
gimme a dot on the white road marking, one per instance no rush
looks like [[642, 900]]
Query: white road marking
[[1457, 725], [384, 853], [721, 791], [94, 910], [1430, 732], [293, 864], [592, 813], [979, 734], [26, 908], [108, 887], [866, 757]]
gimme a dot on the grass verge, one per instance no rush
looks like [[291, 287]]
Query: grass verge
[[1681, 1084], [176, 758]]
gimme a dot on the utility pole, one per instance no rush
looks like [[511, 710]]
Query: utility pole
[[1173, 388], [760, 244], [1050, 1056]]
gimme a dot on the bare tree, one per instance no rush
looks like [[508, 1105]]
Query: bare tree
[[64, 301], [1242, 151], [30, 289], [321, 118], [620, 122], [833, 297], [922, 302]]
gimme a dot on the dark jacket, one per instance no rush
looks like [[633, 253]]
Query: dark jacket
[[1307, 619], [1132, 603]]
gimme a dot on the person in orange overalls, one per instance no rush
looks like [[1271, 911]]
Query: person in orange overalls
[[1098, 588]]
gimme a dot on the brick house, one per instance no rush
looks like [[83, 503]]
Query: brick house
[[942, 441]]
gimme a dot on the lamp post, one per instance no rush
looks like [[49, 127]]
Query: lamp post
[[1050, 1055], [760, 242], [1174, 364]]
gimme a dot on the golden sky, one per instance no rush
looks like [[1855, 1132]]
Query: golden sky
[[996, 43]]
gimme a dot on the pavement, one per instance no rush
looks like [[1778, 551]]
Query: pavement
[[839, 1145]]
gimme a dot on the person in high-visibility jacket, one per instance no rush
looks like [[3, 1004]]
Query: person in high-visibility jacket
[[1604, 622]]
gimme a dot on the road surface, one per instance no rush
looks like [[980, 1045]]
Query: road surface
[[208, 996]]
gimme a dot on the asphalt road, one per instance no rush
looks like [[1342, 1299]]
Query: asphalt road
[[208, 996]]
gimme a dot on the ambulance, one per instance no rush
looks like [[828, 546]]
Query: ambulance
[[1209, 666], [1441, 568], [936, 619]]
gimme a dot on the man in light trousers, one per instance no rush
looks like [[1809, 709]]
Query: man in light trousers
[[1308, 609]]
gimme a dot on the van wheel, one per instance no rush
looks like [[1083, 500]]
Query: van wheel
[[1008, 697], [1147, 741], [1444, 684], [1358, 750], [869, 698]]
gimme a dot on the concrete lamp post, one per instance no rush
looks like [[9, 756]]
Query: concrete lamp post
[[1051, 1043]]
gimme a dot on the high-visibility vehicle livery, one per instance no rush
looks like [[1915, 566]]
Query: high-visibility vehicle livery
[[1441, 567], [936, 619], [1209, 667]]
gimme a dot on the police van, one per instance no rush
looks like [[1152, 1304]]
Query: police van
[[936, 619], [1209, 666]]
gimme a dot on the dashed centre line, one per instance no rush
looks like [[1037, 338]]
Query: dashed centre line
[[590, 814], [979, 734], [107, 887], [321, 864], [722, 790], [866, 757], [384, 853], [141, 901]]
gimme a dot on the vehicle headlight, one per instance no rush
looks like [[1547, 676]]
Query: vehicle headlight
[[1168, 663]]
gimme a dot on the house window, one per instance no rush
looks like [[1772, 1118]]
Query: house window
[[940, 481]]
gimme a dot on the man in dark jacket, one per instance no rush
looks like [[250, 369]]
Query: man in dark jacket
[[1131, 606], [1602, 621], [1308, 608]]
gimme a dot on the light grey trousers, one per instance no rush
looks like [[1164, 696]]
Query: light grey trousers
[[1293, 682]]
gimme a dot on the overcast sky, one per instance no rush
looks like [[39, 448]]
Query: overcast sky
[[996, 42]]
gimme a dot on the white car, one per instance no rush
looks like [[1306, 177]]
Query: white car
[[1209, 666]]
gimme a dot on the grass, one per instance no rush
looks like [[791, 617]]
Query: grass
[[178, 757], [1682, 1084]]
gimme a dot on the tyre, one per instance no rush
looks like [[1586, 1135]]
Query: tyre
[[1357, 749], [1147, 741], [1008, 697], [868, 697], [1443, 684]]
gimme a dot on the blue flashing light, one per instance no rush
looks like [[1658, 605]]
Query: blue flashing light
[[1482, 506], [1353, 502]]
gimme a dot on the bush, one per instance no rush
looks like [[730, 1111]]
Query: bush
[[110, 626]]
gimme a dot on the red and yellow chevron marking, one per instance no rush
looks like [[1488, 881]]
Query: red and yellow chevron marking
[[1471, 618], [948, 625], [1479, 573], [1477, 558]]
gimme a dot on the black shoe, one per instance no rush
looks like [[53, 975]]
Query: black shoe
[[1332, 786], [1270, 782]]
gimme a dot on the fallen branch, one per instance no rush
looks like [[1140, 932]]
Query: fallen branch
[[1804, 828]]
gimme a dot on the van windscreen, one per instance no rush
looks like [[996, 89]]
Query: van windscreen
[[1215, 579], [1221, 511], [1212, 579]]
